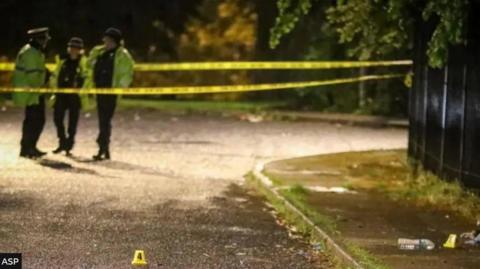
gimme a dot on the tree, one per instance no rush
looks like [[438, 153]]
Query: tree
[[225, 30], [375, 28]]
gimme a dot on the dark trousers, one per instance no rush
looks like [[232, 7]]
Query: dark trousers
[[64, 103], [33, 125], [105, 107]]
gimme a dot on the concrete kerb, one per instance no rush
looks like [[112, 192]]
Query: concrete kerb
[[342, 255]]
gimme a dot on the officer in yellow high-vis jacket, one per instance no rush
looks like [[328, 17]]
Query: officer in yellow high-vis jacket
[[110, 66], [70, 72], [30, 72]]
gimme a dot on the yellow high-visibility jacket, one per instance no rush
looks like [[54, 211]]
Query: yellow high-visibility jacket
[[122, 68], [30, 72]]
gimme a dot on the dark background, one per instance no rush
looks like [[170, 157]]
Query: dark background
[[159, 24], [142, 22]]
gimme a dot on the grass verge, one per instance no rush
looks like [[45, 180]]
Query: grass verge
[[184, 106], [289, 216], [365, 257], [297, 195], [425, 189], [388, 173], [382, 172], [200, 106], [393, 176]]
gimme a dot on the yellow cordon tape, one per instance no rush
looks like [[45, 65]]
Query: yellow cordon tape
[[204, 89], [6, 67], [145, 67], [204, 66]]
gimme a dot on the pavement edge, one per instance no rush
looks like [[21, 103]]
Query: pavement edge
[[342, 257]]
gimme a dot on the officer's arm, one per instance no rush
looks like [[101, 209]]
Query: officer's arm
[[87, 66], [54, 76], [83, 71], [126, 76]]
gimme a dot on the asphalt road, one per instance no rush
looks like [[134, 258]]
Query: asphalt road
[[174, 188]]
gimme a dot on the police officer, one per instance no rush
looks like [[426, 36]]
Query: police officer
[[111, 66], [30, 72], [69, 73]]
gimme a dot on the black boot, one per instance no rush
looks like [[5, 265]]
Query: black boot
[[59, 149], [107, 154], [99, 155], [31, 153], [26, 153], [61, 146], [37, 153], [26, 149], [69, 146], [103, 154]]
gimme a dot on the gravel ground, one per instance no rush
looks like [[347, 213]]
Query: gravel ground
[[174, 189]]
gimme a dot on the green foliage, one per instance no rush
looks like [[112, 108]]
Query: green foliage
[[289, 15], [363, 25], [450, 29], [376, 28], [426, 189]]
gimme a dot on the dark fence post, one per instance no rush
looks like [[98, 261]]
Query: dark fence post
[[471, 121], [444, 134]]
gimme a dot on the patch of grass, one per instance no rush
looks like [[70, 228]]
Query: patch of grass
[[280, 206], [298, 191], [290, 217], [394, 177], [365, 258], [200, 106], [425, 189], [298, 196], [386, 173], [186, 106], [277, 181], [391, 175], [348, 185]]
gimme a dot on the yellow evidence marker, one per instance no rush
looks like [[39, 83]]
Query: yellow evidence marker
[[451, 241], [139, 258]]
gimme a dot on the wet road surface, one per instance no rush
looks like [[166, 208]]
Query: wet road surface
[[174, 188]]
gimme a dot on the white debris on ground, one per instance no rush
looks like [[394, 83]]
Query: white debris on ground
[[331, 189], [253, 118]]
